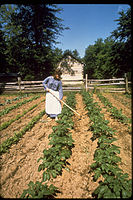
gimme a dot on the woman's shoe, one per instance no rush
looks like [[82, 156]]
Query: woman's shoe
[[56, 118]]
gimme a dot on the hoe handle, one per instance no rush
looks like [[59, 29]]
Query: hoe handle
[[65, 104]]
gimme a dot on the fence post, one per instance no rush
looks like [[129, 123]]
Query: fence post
[[86, 78], [19, 83], [126, 83]]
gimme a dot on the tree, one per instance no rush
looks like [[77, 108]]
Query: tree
[[3, 62], [92, 62], [121, 50], [75, 53], [31, 32], [113, 56]]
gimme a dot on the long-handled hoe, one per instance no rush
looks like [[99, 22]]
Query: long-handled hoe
[[65, 104]]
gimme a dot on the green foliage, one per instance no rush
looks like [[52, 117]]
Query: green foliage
[[9, 101], [98, 60], [35, 29], [6, 124], [39, 190], [54, 159], [7, 110], [14, 139], [113, 110], [113, 56], [115, 184], [121, 50]]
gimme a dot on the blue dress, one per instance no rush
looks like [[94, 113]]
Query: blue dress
[[52, 105]]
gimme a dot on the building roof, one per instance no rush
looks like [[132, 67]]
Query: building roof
[[73, 57]]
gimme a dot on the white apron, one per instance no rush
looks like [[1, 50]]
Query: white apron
[[52, 105]]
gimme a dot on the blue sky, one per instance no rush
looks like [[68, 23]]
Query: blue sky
[[87, 23]]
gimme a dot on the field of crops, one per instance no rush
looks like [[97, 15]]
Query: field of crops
[[75, 157]]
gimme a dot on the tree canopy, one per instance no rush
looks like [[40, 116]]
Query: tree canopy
[[111, 57], [29, 33]]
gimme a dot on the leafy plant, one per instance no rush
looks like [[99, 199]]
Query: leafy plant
[[14, 139], [7, 110], [115, 184], [39, 190], [114, 111], [54, 158]]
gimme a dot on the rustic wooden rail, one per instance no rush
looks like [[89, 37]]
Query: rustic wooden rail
[[99, 83], [68, 85]]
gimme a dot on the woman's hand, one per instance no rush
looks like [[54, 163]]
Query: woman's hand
[[47, 90]]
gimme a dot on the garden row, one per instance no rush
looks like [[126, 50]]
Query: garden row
[[7, 143], [125, 100], [55, 158], [17, 105], [115, 184], [9, 101], [9, 122], [117, 114]]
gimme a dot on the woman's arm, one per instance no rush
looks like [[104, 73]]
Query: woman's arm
[[60, 91], [45, 82]]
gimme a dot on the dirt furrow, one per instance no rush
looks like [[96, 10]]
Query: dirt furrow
[[123, 136], [19, 166], [77, 182], [19, 124], [13, 113], [12, 103], [123, 99], [117, 103]]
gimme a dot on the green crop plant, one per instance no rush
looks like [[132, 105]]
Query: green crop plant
[[7, 110], [115, 184], [14, 139], [39, 190], [55, 158], [113, 110]]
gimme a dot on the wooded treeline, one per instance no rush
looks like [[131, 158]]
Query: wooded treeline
[[28, 36], [111, 57]]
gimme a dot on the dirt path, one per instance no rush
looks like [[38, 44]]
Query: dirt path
[[20, 166], [77, 183], [13, 113], [19, 124], [117, 103], [124, 139], [123, 99], [13, 102]]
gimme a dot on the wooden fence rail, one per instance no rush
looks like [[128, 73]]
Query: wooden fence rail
[[68, 85], [99, 83]]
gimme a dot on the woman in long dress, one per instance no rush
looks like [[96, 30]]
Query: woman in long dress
[[52, 105]]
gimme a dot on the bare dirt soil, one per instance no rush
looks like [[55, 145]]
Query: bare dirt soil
[[2, 100], [123, 135], [19, 166], [19, 124], [78, 183], [126, 110]]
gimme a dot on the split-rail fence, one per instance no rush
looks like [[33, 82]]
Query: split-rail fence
[[107, 85]]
